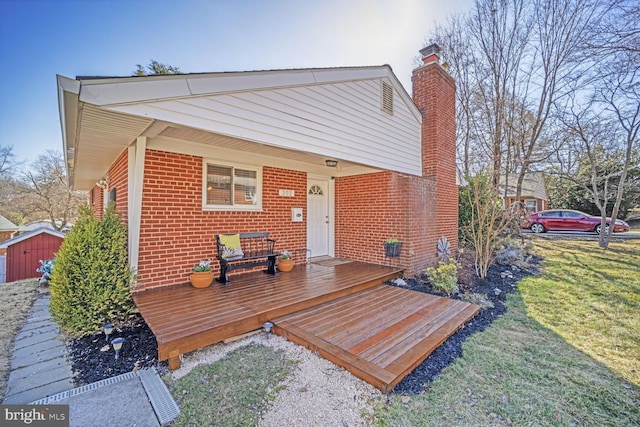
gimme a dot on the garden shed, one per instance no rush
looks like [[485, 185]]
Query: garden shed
[[25, 251]]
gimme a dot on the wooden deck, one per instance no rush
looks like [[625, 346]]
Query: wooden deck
[[379, 334], [184, 319], [341, 309]]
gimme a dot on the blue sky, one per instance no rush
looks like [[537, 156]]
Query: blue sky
[[39, 39]]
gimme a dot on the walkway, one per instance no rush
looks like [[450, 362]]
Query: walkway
[[41, 375], [39, 364]]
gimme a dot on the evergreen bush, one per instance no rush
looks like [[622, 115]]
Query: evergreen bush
[[91, 280]]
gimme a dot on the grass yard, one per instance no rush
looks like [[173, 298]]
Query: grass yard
[[591, 298], [233, 391], [566, 353], [15, 301]]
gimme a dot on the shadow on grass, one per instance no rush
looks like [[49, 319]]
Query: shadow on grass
[[520, 372]]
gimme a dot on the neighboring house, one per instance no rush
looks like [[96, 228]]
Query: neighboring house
[[25, 251], [188, 156], [533, 194], [7, 229]]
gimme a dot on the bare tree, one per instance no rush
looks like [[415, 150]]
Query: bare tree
[[48, 191], [6, 159], [620, 94], [512, 59]]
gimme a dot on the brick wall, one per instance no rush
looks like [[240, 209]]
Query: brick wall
[[417, 210], [96, 201], [369, 209], [176, 233], [118, 177], [434, 95]]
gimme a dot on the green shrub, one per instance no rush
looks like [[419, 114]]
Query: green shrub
[[444, 278], [91, 281]]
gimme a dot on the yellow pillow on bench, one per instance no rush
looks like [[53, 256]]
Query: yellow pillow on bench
[[231, 243]]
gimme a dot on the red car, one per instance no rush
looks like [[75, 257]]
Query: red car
[[569, 220]]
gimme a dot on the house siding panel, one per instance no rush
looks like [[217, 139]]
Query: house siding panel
[[321, 119], [175, 233]]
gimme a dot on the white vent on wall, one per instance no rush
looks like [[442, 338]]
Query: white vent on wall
[[387, 98]]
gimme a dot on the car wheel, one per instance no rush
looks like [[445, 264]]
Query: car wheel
[[537, 227], [599, 227]]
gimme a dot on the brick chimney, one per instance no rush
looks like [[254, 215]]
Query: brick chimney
[[434, 95]]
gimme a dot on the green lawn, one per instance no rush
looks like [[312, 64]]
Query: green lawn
[[591, 298], [566, 353]]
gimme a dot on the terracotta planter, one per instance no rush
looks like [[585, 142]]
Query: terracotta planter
[[201, 279], [285, 264]]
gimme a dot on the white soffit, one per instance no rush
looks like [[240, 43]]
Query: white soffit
[[103, 136]]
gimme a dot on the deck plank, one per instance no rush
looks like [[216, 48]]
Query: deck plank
[[379, 346], [184, 318], [344, 311]]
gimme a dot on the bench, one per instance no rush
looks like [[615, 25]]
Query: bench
[[255, 246]]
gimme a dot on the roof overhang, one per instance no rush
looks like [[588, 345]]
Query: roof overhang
[[101, 117], [30, 234]]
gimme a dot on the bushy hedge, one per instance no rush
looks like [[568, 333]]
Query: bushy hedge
[[91, 281], [444, 278]]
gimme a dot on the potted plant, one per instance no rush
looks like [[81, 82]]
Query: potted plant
[[202, 275], [285, 261], [392, 247]]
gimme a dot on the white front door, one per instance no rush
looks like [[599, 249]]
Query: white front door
[[318, 217]]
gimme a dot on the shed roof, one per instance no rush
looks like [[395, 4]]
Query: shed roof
[[29, 235]]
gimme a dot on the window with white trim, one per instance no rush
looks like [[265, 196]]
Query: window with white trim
[[232, 187]]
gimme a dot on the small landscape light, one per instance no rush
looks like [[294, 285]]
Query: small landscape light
[[117, 345], [267, 328], [108, 329]]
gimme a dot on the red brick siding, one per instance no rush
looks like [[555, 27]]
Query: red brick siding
[[118, 179], [368, 210], [373, 207], [96, 201], [417, 210], [176, 233], [434, 94]]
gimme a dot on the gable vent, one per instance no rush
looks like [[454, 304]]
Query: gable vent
[[387, 98]]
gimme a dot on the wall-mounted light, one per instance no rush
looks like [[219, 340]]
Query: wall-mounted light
[[331, 163], [103, 183]]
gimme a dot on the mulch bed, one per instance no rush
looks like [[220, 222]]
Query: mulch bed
[[495, 287], [93, 360]]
